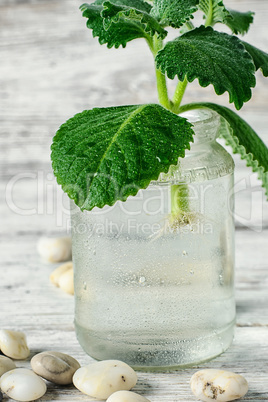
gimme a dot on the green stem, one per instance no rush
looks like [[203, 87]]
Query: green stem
[[189, 25], [162, 89], [178, 95], [179, 199], [179, 192], [161, 83], [209, 19]]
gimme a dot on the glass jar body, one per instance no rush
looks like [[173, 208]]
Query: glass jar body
[[154, 274]]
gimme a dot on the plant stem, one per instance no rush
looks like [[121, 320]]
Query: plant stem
[[189, 25], [162, 89], [179, 199], [178, 95], [179, 192], [209, 19], [161, 84]]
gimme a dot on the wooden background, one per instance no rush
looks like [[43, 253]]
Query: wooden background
[[50, 69]]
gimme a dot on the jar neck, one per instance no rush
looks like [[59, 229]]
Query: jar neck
[[205, 125], [206, 159]]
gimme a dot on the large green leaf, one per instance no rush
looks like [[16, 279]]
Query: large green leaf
[[117, 34], [242, 138], [173, 13], [259, 57], [214, 58], [113, 13], [107, 154], [214, 10], [239, 22]]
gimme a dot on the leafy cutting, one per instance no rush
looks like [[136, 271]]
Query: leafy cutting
[[107, 154]]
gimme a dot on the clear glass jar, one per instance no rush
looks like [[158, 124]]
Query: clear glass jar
[[154, 283]]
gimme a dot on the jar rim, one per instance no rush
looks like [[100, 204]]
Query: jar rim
[[205, 123], [200, 116]]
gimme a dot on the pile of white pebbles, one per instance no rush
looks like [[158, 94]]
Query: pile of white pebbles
[[109, 380]]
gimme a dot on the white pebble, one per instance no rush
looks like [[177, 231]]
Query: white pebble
[[13, 344], [6, 364], [126, 396], [56, 274], [56, 367], [55, 249], [22, 385], [103, 378], [218, 385], [66, 282]]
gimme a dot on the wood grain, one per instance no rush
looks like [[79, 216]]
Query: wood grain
[[50, 69]]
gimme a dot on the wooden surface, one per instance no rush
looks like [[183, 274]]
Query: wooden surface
[[51, 68]]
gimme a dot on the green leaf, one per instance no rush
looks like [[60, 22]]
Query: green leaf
[[259, 57], [214, 58], [120, 33], [113, 13], [242, 138], [173, 13], [214, 10], [107, 154], [239, 22]]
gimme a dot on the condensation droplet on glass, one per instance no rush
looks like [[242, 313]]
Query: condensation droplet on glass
[[184, 253], [85, 286], [142, 280], [191, 272]]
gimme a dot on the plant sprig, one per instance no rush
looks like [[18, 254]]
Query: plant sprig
[[104, 155]]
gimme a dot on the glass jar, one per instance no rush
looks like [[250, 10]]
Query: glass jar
[[154, 283]]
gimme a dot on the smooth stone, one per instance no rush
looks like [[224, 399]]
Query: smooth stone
[[22, 385], [66, 282], [6, 364], [56, 367], [56, 274], [126, 396], [13, 344], [218, 385], [103, 378], [55, 249]]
